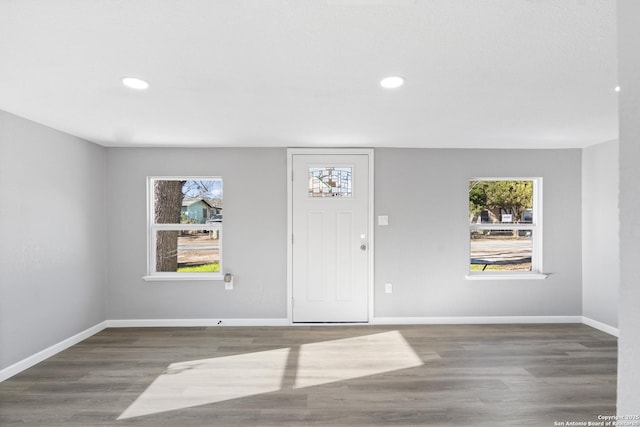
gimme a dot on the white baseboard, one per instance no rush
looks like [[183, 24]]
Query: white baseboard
[[601, 326], [145, 323], [471, 320], [24, 364]]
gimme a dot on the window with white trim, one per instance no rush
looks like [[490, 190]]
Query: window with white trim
[[505, 226], [184, 228]]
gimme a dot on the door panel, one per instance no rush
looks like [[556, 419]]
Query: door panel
[[344, 259], [330, 221], [315, 255]]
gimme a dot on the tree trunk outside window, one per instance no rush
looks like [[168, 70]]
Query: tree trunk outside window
[[168, 202]]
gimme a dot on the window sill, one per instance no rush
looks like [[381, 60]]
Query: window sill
[[506, 276], [183, 277]]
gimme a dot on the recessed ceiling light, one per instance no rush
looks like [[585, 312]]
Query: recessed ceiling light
[[392, 82], [135, 83], [617, 89]]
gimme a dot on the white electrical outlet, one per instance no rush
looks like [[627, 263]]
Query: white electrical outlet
[[388, 288], [228, 282]]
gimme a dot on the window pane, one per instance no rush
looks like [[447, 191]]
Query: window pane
[[501, 250], [330, 182], [192, 251], [494, 202], [193, 201]]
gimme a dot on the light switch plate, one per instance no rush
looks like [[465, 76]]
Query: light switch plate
[[383, 220]]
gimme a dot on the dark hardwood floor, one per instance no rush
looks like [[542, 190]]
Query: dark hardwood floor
[[479, 375]]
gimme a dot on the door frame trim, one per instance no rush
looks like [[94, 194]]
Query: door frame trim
[[369, 152]]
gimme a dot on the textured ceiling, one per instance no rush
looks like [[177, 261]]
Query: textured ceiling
[[479, 73]]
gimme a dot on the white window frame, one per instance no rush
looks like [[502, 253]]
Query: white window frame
[[153, 228], [536, 230]]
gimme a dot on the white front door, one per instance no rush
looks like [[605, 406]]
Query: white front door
[[330, 243]]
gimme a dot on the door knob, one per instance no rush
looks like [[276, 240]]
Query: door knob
[[363, 247]]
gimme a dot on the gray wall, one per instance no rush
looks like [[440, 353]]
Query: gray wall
[[52, 228], [424, 251], [629, 113], [254, 241], [600, 233]]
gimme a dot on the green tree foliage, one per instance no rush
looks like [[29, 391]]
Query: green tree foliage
[[477, 197], [512, 196]]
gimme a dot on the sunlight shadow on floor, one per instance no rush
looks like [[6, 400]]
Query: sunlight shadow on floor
[[199, 382], [344, 359]]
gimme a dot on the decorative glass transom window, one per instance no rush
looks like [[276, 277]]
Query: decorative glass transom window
[[330, 182], [185, 228], [505, 226]]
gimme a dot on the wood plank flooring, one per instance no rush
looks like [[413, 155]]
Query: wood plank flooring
[[462, 375]]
